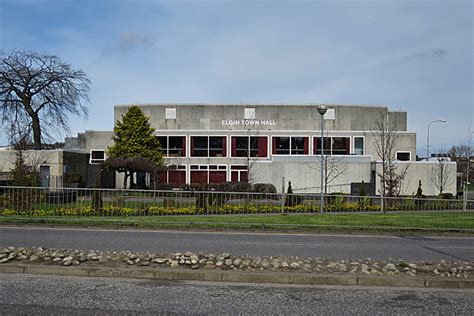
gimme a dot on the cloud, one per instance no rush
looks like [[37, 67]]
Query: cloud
[[440, 53], [129, 41]]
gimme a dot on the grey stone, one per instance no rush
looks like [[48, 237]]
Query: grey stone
[[390, 267], [174, 264]]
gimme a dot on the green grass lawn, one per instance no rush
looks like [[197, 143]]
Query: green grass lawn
[[416, 220]]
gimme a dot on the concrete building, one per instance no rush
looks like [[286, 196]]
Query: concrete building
[[212, 143]]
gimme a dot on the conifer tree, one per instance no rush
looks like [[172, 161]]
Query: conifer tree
[[134, 144]]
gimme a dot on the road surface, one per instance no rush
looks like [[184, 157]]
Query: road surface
[[55, 295], [254, 244]]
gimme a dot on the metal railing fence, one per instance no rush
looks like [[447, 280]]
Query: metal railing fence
[[113, 202]]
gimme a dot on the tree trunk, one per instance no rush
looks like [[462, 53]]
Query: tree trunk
[[35, 123], [125, 180]]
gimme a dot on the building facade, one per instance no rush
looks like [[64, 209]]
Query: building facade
[[213, 143]]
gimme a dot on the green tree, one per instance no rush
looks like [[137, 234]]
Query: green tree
[[134, 138]]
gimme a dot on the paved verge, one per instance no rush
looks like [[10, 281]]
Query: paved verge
[[246, 277]]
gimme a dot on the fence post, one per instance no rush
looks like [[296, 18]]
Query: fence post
[[283, 195], [464, 206]]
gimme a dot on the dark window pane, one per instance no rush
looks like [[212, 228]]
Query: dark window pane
[[327, 145], [297, 146], [199, 146], [216, 146], [200, 142], [403, 156], [282, 145], [97, 155], [216, 142], [241, 146], [176, 146], [163, 143], [340, 146]]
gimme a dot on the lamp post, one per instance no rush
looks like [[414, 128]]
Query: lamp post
[[322, 110], [428, 136]]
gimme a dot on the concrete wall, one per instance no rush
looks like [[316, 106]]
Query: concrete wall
[[284, 116], [304, 173], [35, 158], [88, 140], [427, 172]]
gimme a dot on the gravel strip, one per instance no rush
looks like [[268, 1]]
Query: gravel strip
[[227, 261]]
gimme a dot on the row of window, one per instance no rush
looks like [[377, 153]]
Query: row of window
[[203, 174], [257, 146]]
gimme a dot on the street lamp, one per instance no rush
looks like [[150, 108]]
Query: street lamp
[[428, 136], [322, 110]]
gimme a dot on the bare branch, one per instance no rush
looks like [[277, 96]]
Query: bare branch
[[41, 90]]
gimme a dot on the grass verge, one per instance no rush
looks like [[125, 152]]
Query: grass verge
[[416, 221]]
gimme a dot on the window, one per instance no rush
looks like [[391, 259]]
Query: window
[[240, 146], [299, 146], [317, 145], [340, 146], [290, 145], [97, 156], [208, 146], [173, 146], [403, 155], [358, 145], [238, 174], [332, 145], [208, 174], [174, 174]]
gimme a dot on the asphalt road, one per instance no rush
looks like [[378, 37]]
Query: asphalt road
[[54, 295], [254, 244]]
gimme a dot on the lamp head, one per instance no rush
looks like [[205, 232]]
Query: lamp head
[[322, 109]]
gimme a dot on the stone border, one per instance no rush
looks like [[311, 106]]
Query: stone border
[[246, 277]]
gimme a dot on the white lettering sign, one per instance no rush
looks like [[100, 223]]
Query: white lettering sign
[[248, 122]]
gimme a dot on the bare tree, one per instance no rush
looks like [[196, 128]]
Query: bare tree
[[385, 142], [441, 176], [37, 92], [461, 154], [334, 167], [253, 133]]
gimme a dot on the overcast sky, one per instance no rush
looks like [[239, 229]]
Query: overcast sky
[[411, 55]]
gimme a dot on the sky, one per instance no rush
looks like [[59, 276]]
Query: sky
[[415, 56]]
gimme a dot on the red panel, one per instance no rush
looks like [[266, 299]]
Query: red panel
[[192, 146], [244, 176], [234, 176], [198, 176], [305, 145], [217, 176], [234, 147], [224, 146], [184, 147], [177, 177], [161, 177], [315, 145], [262, 147], [348, 146], [274, 146]]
